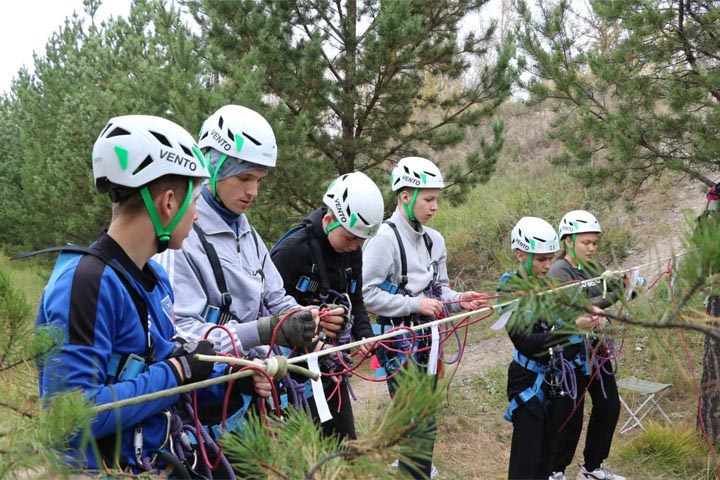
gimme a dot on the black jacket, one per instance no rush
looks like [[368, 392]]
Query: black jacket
[[533, 336], [294, 258]]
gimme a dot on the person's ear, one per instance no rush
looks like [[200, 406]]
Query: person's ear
[[167, 203], [520, 255], [327, 219]]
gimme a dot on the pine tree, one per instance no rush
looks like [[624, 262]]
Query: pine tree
[[349, 80], [31, 435], [144, 64], [640, 83]]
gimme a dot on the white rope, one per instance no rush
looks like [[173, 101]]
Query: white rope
[[268, 364]]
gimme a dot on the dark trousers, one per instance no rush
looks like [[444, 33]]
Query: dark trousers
[[421, 466], [343, 422], [601, 426], [532, 440]]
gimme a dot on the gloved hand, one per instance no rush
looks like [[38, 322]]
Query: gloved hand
[[297, 330], [187, 367], [335, 321]]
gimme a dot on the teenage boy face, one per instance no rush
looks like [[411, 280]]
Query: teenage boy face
[[586, 244], [238, 192], [540, 264], [343, 241], [426, 203], [340, 239]]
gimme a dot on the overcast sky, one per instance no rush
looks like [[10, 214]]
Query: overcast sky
[[26, 25]]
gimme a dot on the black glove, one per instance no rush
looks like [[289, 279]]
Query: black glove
[[297, 330], [193, 370]]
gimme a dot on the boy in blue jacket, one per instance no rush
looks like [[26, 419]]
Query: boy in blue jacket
[[112, 307]]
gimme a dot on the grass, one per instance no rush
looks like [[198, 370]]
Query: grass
[[675, 450], [28, 277]]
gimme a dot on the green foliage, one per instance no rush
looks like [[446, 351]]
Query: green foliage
[[43, 429], [299, 450], [20, 341], [147, 63], [349, 85], [44, 434], [669, 448], [640, 82]]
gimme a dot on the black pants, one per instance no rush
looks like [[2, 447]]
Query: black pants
[[532, 440], [601, 426], [343, 422], [421, 466]]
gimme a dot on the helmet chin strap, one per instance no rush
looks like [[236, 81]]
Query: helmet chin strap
[[163, 233], [409, 207], [527, 266], [213, 174], [571, 251], [333, 225]]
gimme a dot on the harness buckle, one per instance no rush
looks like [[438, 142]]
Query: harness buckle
[[226, 299]]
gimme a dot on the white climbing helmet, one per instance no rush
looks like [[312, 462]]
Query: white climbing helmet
[[578, 221], [357, 204], [534, 235], [134, 150], [241, 133], [416, 172]]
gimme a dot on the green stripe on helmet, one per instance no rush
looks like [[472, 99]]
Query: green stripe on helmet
[[123, 156]]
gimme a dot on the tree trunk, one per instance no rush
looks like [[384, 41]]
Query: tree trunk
[[709, 411]]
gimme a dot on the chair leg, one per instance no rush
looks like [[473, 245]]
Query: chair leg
[[633, 417]]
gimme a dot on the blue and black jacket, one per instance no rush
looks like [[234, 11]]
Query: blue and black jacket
[[97, 322]]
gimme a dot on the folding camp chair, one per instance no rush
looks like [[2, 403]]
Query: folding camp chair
[[653, 392]]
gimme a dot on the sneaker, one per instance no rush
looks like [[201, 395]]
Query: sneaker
[[600, 473], [557, 476], [434, 472]]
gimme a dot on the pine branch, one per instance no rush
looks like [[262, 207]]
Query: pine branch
[[16, 410]]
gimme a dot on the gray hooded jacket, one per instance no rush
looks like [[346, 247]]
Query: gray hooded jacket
[[381, 260], [241, 258]]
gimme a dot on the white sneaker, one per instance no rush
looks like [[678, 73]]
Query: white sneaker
[[557, 476], [600, 473], [434, 472]]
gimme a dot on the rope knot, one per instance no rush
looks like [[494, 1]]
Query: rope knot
[[276, 366]]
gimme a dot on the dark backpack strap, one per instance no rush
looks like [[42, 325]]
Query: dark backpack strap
[[257, 247], [140, 304], [216, 268], [318, 259], [403, 257], [285, 236], [428, 243]]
